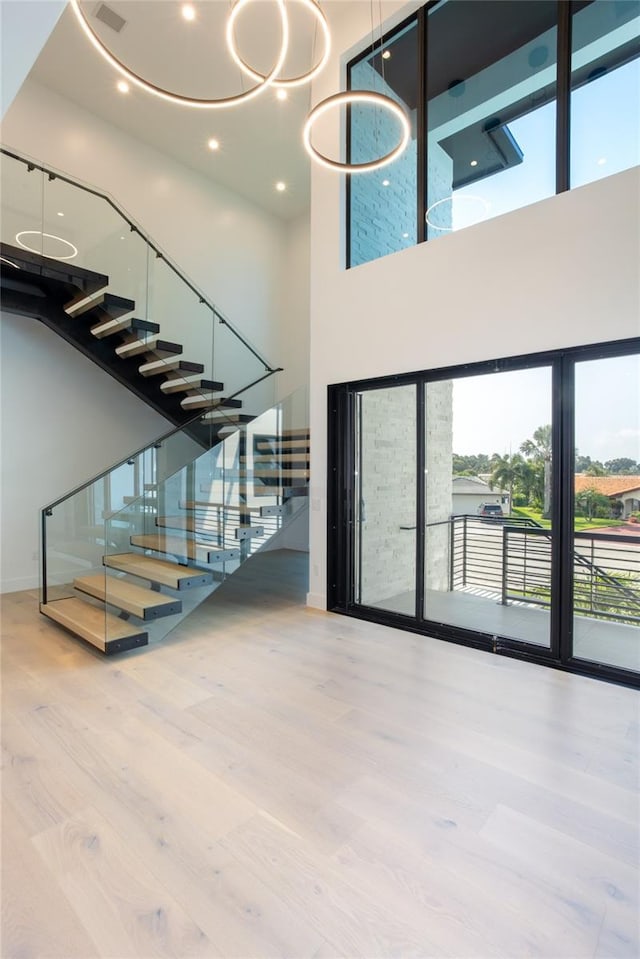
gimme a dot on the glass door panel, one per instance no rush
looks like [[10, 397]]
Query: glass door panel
[[488, 509], [606, 554], [385, 529]]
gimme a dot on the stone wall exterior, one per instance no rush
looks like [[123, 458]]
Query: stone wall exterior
[[439, 480], [388, 476]]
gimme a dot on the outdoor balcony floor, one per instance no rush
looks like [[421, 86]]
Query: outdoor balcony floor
[[603, 641]]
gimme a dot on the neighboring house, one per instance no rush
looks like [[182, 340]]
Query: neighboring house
[[626, 489], [470, 492]]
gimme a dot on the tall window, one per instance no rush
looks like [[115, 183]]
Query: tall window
[[490, 121]]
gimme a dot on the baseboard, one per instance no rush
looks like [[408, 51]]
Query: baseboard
[[22, 582], [317, 601]]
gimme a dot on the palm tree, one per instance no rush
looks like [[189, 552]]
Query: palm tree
[[506, 472], [538, 450]]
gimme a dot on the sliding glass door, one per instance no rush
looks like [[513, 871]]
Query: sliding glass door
[[496, 504], [606, 548], [488, 504]]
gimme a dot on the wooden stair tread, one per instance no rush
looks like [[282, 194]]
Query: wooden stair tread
[[137, 600], [158, 570], [173, 545], [180, 384], [104, 305], [277, 458], [204, 504], [224, 419], [98, 627], [189, 523], [109, 326], [278, 445], [158, 347], [284, 471], [209, 401], [159, 366]]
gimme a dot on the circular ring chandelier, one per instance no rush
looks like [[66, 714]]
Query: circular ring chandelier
[[290, 81], [206, 104], [356, 96], [50, 236]]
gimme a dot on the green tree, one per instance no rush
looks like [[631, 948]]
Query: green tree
[[592, 503], [506, 473], [538, 450], [622, 465], [596, 469]]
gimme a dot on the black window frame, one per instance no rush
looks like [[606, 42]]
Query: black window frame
[[562, 100]]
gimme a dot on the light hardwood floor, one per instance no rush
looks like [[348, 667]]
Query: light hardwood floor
[[272, 781]]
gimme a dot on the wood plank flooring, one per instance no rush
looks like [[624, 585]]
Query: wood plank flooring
[[272, 781]]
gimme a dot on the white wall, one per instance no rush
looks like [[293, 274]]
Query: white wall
[[558, 273], [63, 421], [25, 26]]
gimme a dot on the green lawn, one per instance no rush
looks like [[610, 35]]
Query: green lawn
[[580, 521]]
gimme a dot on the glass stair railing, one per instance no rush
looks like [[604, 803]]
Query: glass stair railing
[[72, 258], [129, 555]]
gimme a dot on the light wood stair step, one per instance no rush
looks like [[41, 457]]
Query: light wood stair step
[[301, 458], [159, 366], [106, 632], [192, 524], [182, 385], [158, 571], [227, 507], [159, 348], [110, 326], [299, 433], [103, 306], [136, 600], [218, 416], [277, 445], [181, 546], [284, 472], [208, 401], [286, 491]]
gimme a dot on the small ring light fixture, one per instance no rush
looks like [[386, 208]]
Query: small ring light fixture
[[178, 98], [290, 81], [449, 199], [356, 96], [50, 236]]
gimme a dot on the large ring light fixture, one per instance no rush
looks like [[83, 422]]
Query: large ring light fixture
[[157, 91], [356, 96], [290, 81], [51, 236]]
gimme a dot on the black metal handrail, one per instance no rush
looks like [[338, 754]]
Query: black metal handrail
[[605, 587], [135, 228]]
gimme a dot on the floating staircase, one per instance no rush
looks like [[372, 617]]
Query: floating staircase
[[184, 552], [128, 555]]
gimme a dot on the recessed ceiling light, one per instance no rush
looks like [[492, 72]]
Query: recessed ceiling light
[[60, 213], [213, 144], [281, 94], [281, 186], [188, 11], [473, 163], [405, 236], [602, 161], [386, 54], [123, 86], [386, 182]]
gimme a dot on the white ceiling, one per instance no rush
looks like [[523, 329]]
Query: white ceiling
[[260, 140]]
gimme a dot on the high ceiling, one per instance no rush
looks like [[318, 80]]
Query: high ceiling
[[260, 140]]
